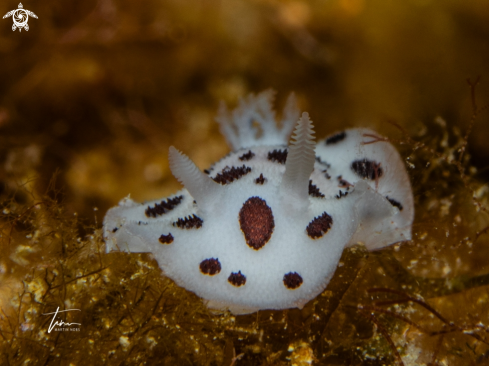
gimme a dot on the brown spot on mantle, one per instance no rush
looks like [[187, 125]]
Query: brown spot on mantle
[[166, 239], [279, 156], [229, 175], [210, 266], [163, 207], [237, 279], [314, 190], [256, 222], [189, 222], [292, 280], [248, 156], [319, 226], [260, 180], [367, 169]]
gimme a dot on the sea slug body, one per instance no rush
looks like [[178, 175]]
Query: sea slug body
[[264, 227]]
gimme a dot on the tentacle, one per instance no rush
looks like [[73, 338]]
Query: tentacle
[[299, 164], [202, 188]]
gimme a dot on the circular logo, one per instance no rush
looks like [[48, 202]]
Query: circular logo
[[20, 18]]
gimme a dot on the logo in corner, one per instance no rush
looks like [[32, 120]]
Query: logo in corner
[[20, 17], [59, 326]]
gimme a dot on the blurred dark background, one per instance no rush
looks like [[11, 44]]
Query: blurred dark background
[[96, 91]]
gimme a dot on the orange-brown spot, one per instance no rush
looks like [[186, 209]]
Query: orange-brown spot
[[292, 280], [166, 239], [256, 222], [189, 222], [229, 175], [237, 279], [279, 156], [319, 226], [248, 156], [314, 190], [210, 266], [260, 180], [163, 207], [367, 169]]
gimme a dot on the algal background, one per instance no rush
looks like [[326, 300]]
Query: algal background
[[93, 95]]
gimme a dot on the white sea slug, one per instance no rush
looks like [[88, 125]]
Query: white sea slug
[[264, 227]]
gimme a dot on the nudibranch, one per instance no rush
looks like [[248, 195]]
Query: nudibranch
[[265, 227]]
